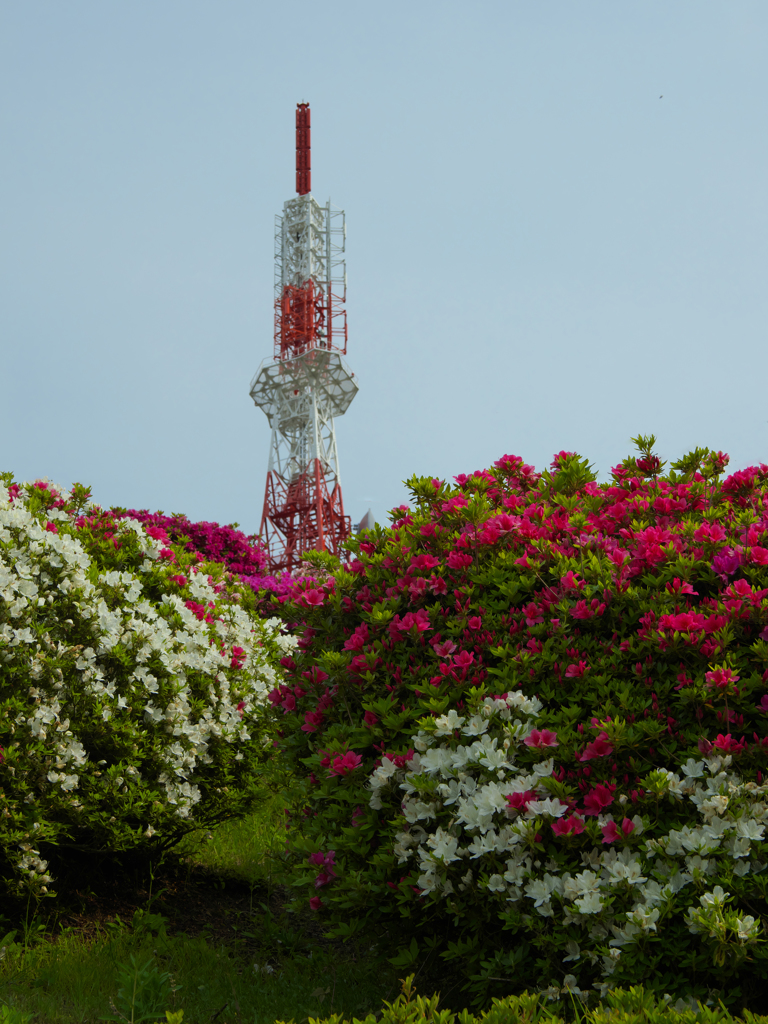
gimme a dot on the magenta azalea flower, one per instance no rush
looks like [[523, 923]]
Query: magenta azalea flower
[[345, 764], [541, 738], [601, 796], [599, 747], [721, 677], [520, 801], [611, 830], [572, 826]]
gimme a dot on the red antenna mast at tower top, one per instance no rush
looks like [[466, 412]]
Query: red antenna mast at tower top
[[303, 150], [307, 383]]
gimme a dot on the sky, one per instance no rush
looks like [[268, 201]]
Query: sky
[[557, 235]]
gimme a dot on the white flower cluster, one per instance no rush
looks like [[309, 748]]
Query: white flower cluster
[[164, 651], [34, 868], [459, 826]]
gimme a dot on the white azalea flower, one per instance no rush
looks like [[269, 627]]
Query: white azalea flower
[[540, 890], [693, 769], [446, 725], [747, 928], [443, 846], [747, 828], [590, 904], [551, 807], [716, 898]]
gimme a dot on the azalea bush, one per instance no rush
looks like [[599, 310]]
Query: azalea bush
[[241, 554], [530, 721], [133, 683]]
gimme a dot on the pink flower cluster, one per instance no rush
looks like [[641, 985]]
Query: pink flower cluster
[[327, 864]]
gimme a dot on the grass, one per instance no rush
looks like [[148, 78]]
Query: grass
[[69, 980], [210, 934]]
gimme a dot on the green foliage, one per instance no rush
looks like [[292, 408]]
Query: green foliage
[[10, 1015], [143, 992], [633, 1006]]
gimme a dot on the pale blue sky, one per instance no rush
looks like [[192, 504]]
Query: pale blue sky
[[542, 253]]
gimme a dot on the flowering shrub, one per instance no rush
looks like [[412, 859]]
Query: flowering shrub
[[133, 682], [241, 554], [530, 720]]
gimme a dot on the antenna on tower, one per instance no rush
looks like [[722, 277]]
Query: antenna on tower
[[306, 384], [303, 150]]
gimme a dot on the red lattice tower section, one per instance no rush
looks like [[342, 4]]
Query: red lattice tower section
[[307, 384]]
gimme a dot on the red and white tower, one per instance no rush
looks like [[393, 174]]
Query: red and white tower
[[307, 383]]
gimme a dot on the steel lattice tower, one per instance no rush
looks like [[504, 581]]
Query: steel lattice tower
[[307, 383]]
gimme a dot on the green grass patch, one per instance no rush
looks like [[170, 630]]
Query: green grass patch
[[129, 976], [234, 956], [249, 848]]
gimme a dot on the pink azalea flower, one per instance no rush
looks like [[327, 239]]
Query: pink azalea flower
[[598, 798], [572, 826], [599, 747], [571, 582], [51, 527], [726, 562], [423, 562], [344, 764], [678, 586], [520, 801], [458, 560], [312, 721], [727, 743], [323, 860], [759, 555], [418, 588], [315, 903], [445, 649], [763, 705], [611, 830], [721, 677], [463, 659], [358, 640], [369, 719], [541, 738], [576, 671]]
